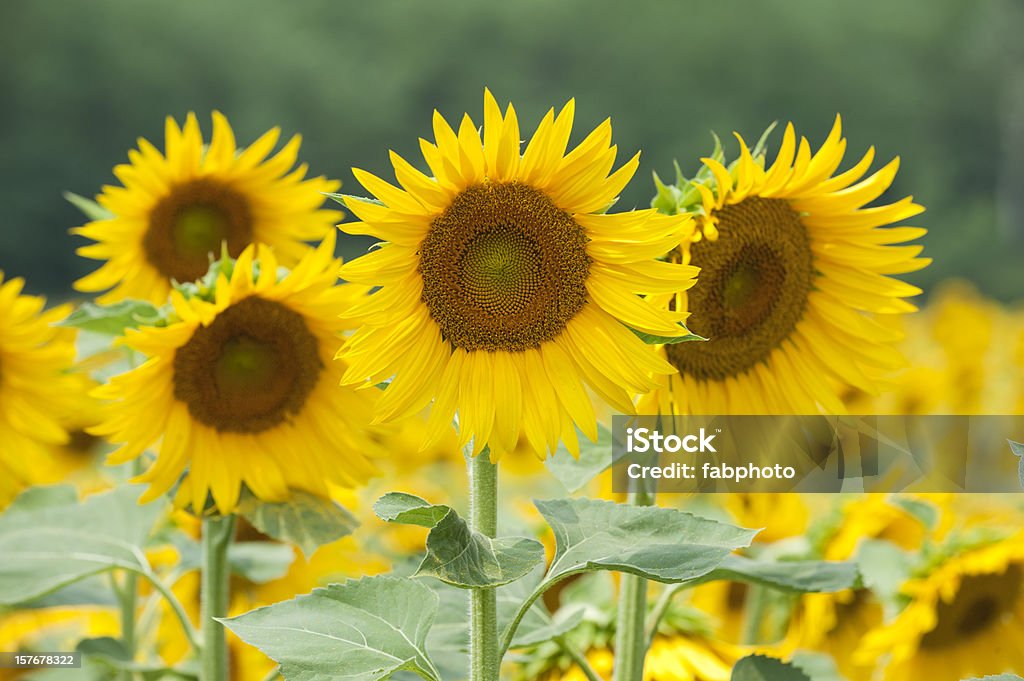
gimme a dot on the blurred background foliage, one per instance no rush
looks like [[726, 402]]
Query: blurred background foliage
[[938, 82]]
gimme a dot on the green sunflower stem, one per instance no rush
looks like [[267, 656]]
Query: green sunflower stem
[[129, 597], [218, 532], [484, 660], [630, 629]]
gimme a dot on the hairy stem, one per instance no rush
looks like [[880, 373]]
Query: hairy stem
[[630, 634], [218, 532], [483, 605]]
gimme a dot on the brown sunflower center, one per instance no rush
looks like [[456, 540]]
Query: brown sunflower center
[[192, 222], [250, 370], [752, 288], [81, 443], [503, 268], [981, 602]]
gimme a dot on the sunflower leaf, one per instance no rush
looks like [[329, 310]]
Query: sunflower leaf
[[369, 628], [89, 208], [1018, 450], [304, 520], [817, 666], [651, 339], [456, 554], [594, 459], [259, 561], [48, 547], [804, 576], [761, 668], [661, 544], [408, 509], [112, 320]]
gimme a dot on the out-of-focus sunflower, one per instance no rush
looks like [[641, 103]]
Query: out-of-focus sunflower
[[782, 515], [50, 629], [964, 618], [835, 623], [176, 208], [505, 288], [244, 389], [670, 658], [793, 265], [35, 384]]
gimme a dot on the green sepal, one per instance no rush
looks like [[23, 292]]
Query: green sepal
[[89, 208], [113, 319]]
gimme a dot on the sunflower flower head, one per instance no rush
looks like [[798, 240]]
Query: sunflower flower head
[[239, 387], [505, 290], [796, 259], [177, 207], [35, 384], [963, 617]]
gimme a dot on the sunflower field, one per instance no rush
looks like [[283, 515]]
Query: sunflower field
[[267, 426]]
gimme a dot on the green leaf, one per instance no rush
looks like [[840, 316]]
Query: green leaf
[[761, 668], [552, 626], [456, 554], [110, 653], [885, 567], [656, 543], [361, 630], [805, 576], [922, 510], [89, 208], [817, 666], [538, 625], [448, 639], [305, 520], [651, 339], [50, 547], [112, 320], [595, 458], [1018, 449], [408, 509], [35, 498], [259, 561], [461, 557]]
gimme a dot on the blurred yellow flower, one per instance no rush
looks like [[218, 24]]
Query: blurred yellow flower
[[35, 385], [505, 288], [670, 658], [177, 208], [964, 619]]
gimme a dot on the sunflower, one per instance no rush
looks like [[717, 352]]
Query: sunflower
[[964, 618], [504, 287], [793, 266], [35, 383], [835, 623], [242, 389], [175, 209], [675, 657], [52, 628]]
